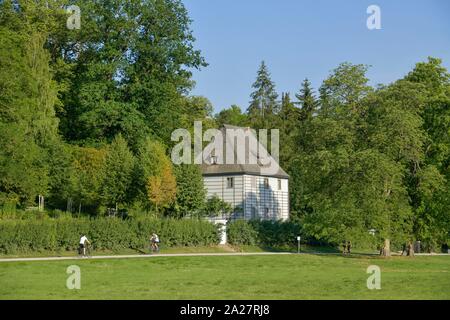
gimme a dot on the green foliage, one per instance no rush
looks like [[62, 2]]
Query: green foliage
[[307, 101], [232, 116], [197, 108], [263, 233], [359, 157], [288, 120], [88, 175], [22, 236], [28, 124], [264, 103], [350, 173], [128, 72], [240, 232], [152, 161], [61, 174], [342, 91], [191, 192], [429, 182], [216, 206], [119, 164]]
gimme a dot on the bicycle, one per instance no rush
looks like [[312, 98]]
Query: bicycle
[[154, 247], [85, 252]]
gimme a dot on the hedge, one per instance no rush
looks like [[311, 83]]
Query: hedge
[[22, 236], [265, 233]]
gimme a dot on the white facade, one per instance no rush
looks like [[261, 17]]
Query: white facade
[[252, 196]]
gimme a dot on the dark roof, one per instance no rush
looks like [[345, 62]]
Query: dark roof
[[229, 169]]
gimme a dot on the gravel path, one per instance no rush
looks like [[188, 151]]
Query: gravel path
[[145, 256]]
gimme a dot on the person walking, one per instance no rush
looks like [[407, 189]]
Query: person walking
[[349, 247]]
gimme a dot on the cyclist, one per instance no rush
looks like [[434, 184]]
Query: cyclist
[[83, 243], [154, 240]]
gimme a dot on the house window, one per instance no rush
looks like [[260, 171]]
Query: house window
[[266, 183], [230, 183], [266, 213], [279, 184]]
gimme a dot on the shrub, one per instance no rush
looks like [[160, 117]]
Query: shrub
[[241, 232], [22, 236], [265, 233]]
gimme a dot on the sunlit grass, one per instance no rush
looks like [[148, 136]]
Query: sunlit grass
[[230, 277]]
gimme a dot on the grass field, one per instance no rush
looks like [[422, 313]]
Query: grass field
[[303, 276]]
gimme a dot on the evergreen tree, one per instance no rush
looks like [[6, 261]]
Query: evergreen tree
[[264, 99], [306, 101], [289, 113], [288, 124]]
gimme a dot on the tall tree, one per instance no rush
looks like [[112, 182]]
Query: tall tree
[[153, 173], [307, 101], [162, 188], [263, 104], [288, 123], [119, 164], [348, 182], [233, 116], [343, 91], [87, 176], [28, 125], [126, 70], [429, 180], [191, 192]]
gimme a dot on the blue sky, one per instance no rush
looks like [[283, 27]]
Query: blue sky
[[301, 38]]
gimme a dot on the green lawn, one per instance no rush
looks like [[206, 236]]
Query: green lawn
[[230, 277]]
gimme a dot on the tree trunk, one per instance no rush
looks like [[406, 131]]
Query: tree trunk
[[410, 250], [386, 250]]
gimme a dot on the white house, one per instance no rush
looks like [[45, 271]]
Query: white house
[[252, 192]]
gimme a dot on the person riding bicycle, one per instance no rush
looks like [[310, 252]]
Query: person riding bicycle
[[154, 241], [83, 244]]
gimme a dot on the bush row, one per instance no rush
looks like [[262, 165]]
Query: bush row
[[21, 236], [264, 233]]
